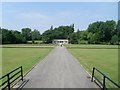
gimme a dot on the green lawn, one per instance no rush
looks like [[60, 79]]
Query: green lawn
[[28, 45], [103, 57], [27, 57], [87, 46]]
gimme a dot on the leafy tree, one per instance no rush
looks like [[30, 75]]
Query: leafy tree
[[118, 29], [84, 35], [94, 39], [114, 39], [0, 35], [103, 31], [35, 35], [89, 36], [26, 33], [46, 36], [18, 37], [109, 28], [62, 32], [7, 36], [73, 38], [51, 28], [96, 33]]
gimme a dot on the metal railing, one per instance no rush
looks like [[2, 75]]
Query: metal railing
[[10, 78], [103, 83]]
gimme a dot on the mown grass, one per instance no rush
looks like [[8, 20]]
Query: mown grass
[[26, 57], [103, 57], [28, 45], [92, 46]]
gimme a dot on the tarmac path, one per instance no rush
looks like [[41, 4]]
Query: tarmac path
[[59, 69]]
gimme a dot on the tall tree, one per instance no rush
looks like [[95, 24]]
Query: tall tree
[[118, 29], [26, 33], [18, 37], [51, 28], [36, 35], [103, 31], [8, 36], [73, 38], [114, 39], [108, 30], [0, 35]]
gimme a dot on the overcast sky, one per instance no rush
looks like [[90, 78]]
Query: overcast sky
[[39, 15]]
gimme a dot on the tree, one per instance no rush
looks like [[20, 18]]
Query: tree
[[62, 32], [8, 36], [109, 28], [0, 35], [73, 38], [103, 31], [96, 33], [114, 39], [51, 28], [118, 29], [47, 36], [89, 36], [35, 35], [94, 39], [26, 33], [12, 36], [18, 37]]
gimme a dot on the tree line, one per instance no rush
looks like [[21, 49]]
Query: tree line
[[99, 32], [17, 37]]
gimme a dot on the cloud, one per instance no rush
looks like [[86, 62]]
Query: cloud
[[11, 11], [82, 19], [33, 15], [42, 21]]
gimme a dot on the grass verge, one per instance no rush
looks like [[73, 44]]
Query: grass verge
[[103, 57], [26, 57]]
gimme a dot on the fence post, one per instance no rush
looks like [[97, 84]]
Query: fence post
[[21, 73], [104, 87], [93, 73], [8, 81]]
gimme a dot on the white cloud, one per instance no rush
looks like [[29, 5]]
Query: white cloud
[[12, 11], [37, 20], [33, 15], [81, 19], [42, 21]]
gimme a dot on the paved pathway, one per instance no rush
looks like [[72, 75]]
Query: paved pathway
[[59, 70]]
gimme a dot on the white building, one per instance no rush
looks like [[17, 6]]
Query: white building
[[60, 41]]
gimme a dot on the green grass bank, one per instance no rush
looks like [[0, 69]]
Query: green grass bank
[[103, 57], [26, 57]]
